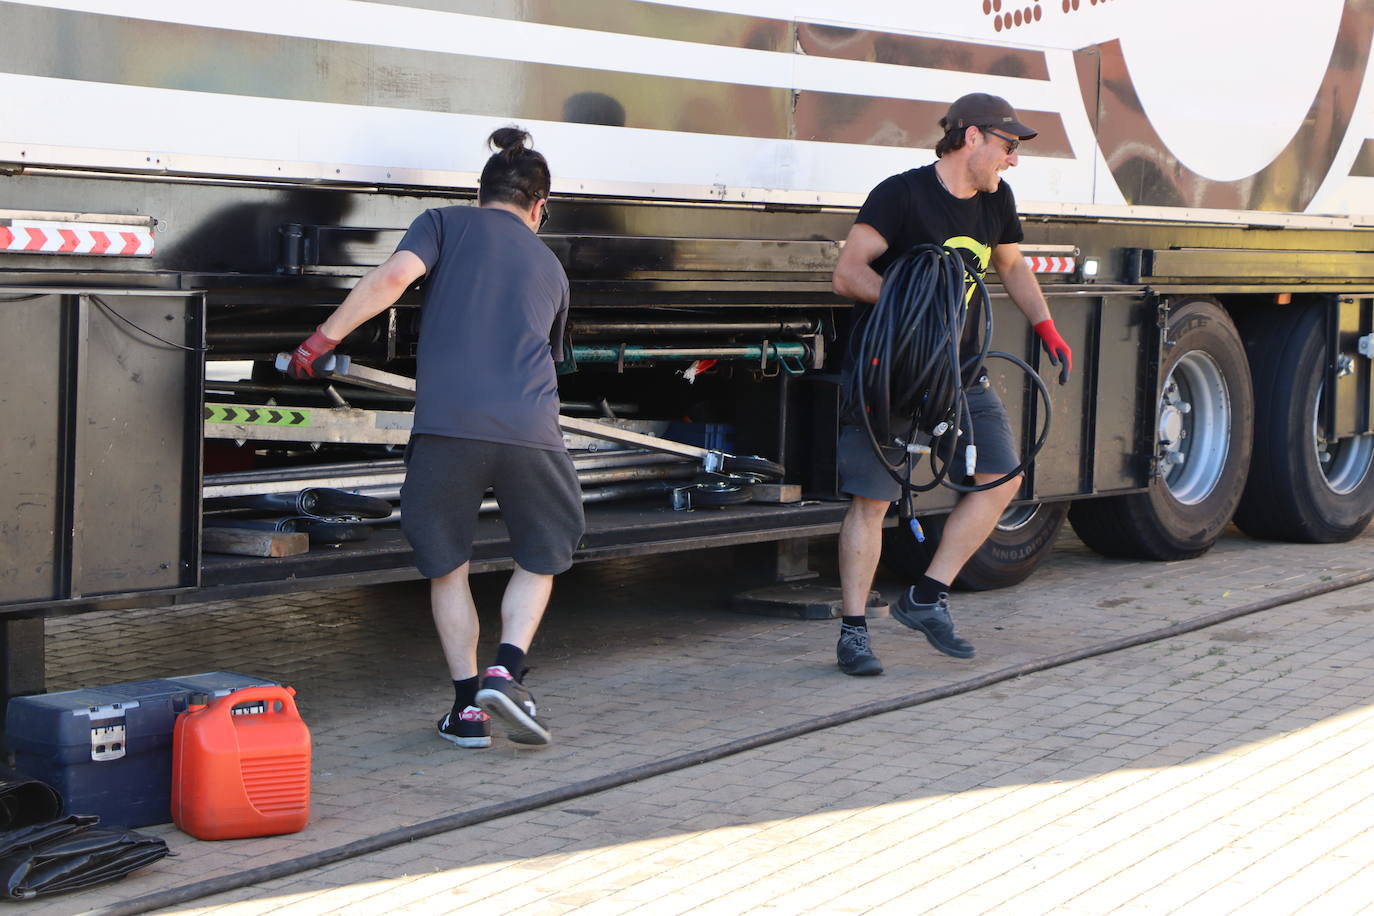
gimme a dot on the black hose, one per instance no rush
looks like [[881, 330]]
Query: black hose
[[459, 820], [904, 366]]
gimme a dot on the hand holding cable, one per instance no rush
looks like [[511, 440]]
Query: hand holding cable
[[306, 359], [1058, 350]]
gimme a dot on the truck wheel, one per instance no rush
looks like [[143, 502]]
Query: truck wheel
[[1023, 537], [1205, 416], [1303, 486]]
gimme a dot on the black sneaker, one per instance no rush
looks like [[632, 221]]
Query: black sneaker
[[470, 728], [505, 698], [934, 621], [853, 653]]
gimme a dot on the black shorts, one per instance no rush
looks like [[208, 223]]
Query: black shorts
[[861, 474], [446, 479]]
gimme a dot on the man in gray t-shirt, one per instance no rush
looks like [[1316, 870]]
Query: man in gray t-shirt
[[486, 416]]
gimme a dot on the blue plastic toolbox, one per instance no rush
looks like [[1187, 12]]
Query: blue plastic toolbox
[[108, 750]]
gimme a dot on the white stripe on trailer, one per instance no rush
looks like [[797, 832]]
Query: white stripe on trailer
[[443, 32]]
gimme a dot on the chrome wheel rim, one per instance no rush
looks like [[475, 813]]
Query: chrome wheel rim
[[1344, 463], [1194, 428], [1018, 517]]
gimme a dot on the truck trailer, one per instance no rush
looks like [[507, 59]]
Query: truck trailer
[[187, 189]]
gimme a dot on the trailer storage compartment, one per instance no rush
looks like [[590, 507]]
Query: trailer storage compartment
[[100, 395]]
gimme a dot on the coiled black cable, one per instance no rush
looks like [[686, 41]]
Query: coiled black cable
[[904, 369]]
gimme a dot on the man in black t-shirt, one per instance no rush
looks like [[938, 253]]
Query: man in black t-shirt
[[960, 202]]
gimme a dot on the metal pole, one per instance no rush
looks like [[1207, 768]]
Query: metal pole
[[360, 475], [585, 479], [598, 495], [692, 328], [637, 354]]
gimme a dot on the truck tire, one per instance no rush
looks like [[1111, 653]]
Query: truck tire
[[1205, 417], [1023, 537], [1302, 487]]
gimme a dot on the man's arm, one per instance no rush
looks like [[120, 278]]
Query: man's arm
[[377, 291], [854, 277], [1020, 283]]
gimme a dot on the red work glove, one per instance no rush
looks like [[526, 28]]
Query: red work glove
[[306, 359], [1060, 354]]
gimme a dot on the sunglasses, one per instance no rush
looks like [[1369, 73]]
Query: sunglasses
[[1012, 143], [544, 214]]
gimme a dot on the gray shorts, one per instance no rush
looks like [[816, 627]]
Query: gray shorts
[[446, 478], [861, 474]]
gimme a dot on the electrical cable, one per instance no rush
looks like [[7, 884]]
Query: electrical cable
[[904, 369], [435, 826], [105, 306]]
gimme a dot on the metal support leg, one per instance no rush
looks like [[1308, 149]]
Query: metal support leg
[[776, 561], [787, 564], [793, 561], [21, 647]]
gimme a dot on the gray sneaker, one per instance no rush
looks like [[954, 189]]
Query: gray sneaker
[[505, 699], [853, 653], [934, 621]]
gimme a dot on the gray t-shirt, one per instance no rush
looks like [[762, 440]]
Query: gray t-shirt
[[491, 328]]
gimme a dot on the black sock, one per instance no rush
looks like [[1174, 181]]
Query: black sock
[[512, 658], [465, 693], [928, 590], [859, 621]]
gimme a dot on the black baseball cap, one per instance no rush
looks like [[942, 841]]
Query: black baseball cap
[[978, 109]]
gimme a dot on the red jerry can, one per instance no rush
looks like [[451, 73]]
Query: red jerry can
[[241, 765]]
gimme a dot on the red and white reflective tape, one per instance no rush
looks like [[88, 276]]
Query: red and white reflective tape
[[1050, 265], [42, 237]]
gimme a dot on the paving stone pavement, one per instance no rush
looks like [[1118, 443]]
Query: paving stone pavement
[[1226, 763]]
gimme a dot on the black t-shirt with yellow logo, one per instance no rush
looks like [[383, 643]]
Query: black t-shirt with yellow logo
[[914, 208]]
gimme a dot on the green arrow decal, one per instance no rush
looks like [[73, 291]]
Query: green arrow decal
[[255, 416]]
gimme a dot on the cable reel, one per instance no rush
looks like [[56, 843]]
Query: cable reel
[[904, 363]]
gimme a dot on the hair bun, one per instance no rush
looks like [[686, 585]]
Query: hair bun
[[508, 140]]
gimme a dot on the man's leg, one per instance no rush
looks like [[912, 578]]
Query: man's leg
[[502, 694], [969, 525], [925, 605], [541, 503], [455, 617], [522, 607], [445, 481], [976, 514], [861, 543]]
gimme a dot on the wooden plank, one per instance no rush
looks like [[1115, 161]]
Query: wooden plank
[[348, 371], [777, 492], [245, 542]]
